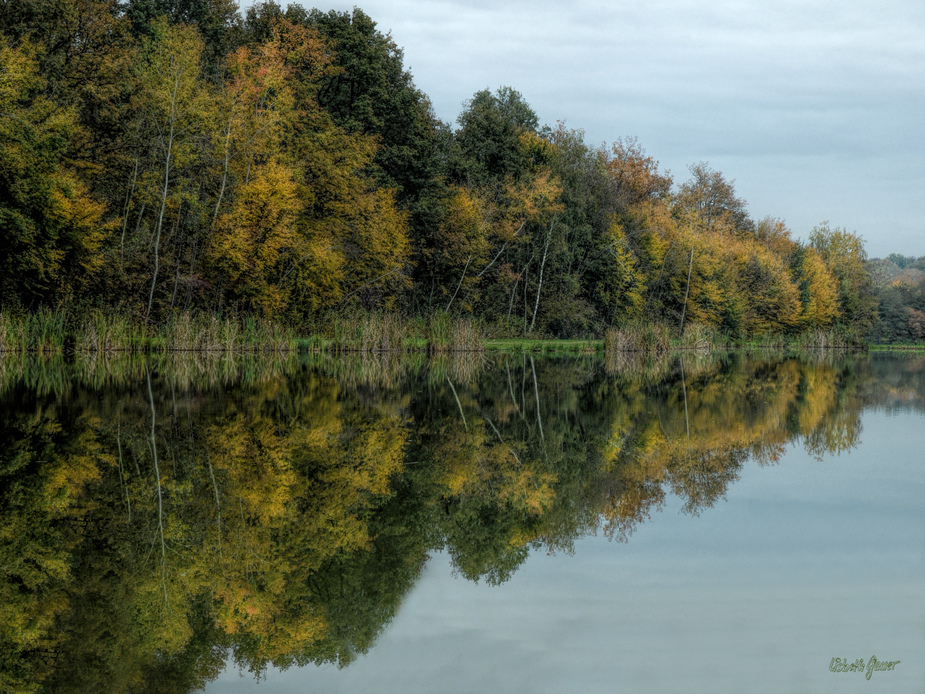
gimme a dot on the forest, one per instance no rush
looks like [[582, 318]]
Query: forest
[[160, 158]]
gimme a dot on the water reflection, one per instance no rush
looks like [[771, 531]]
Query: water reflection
[[159, 517]]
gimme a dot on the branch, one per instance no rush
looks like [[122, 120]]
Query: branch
[[460, 283], [519, 229], [368, 284]]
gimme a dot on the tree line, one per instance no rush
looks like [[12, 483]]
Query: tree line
[[159, 157], [899, 282]]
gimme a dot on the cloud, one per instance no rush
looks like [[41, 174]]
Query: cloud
[[823, 91]]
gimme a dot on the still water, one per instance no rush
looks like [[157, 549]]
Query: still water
[[504, 524]]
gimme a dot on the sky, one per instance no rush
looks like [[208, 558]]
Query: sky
[[816, 110]]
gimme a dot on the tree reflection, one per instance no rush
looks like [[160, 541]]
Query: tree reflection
[[150, 528]]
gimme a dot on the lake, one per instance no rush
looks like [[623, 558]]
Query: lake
[[503, 523]]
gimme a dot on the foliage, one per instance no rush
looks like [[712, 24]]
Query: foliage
[[51, 227], [899, 285], [157, 158], [844, 255]]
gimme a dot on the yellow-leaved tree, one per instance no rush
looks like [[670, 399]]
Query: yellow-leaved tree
[[51, 228], [255, 238], [818, 289], [352, 237]]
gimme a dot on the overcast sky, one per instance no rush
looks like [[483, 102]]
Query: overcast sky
[[814, 109]]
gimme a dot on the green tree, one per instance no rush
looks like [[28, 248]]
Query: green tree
[[489, 137], [216, 21]]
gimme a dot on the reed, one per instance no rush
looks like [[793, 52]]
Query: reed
[[221, 369], [54, 331], [48, 331], [45, 373], [105, 332], [250, 335], [372, 332], [637, 366], [459, 367], [767, 342], [188, 333], [57, 374], [44, 331], [12, 334], [355, 368], [438, 332], [389, 332], [832, 338], [701, 338], [638, 336], [447, 333]]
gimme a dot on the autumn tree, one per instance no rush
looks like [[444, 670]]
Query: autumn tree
[[250, 240], [354, 235], [818, 289], [713, 199], [174, 98], [844, 255], [254, 237], [642, 225], [51, 227]]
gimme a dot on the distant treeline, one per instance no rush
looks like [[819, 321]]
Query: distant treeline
[[159, 157], [899, 283]]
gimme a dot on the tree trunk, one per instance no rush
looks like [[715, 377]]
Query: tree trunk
[[128, 200], [160, 217], [160, 501], [539, 286], [460, 283], [688, 290]]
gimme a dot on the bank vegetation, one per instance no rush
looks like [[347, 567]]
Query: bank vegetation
[[188, 176]]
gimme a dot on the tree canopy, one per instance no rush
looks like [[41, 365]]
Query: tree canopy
[[159, 157]]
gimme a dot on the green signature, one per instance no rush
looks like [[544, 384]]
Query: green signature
[[873, 665]]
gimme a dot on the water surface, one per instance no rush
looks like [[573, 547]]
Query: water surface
[[506, 524]]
